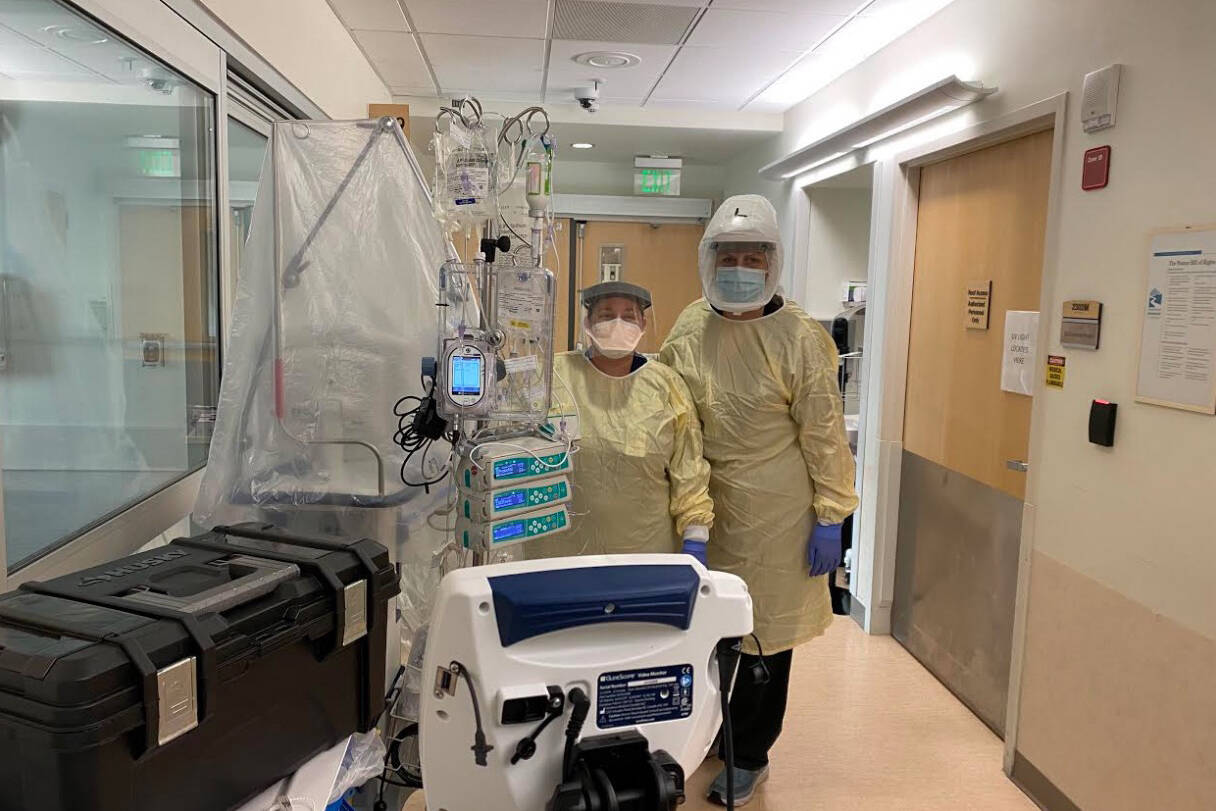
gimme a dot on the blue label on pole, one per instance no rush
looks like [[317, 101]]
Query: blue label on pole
[[632, 697]]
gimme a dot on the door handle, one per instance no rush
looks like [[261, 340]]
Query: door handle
[[1017, 465]]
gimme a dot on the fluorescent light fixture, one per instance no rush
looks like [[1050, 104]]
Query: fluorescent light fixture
[[896, 130], [582, 145], [653, 162], [924, 105], [861, 36], [819, 163]]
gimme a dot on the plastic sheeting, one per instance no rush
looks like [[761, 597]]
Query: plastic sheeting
[[335, 307]]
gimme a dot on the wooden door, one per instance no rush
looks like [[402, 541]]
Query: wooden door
[[660, 257], [981, 217]]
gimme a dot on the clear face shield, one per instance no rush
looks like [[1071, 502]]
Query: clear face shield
[[618, 326]]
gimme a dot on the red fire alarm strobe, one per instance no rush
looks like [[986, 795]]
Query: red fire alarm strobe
[[1095, 173]]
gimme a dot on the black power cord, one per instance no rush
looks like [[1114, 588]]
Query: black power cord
[[480, 748], [728, 652], [526, 748], [418, 428], [578, 716]]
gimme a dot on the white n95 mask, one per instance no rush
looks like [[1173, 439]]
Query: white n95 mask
[[615, 338]]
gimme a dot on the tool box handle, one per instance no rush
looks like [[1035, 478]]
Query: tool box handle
[[263, 577]]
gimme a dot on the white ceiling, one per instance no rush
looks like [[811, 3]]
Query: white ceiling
[[752, 55], [620, 144]]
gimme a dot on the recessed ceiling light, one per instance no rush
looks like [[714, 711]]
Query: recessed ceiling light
[[581, 145], [607, 59]]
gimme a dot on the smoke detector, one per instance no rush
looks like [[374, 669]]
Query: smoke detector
[[607, 60]]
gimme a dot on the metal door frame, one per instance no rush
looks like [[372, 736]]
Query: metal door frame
[[900, 187]]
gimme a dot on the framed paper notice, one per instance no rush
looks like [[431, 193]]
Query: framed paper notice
[[1178, 339]]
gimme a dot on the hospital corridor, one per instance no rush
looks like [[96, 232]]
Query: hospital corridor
[[607, 405]]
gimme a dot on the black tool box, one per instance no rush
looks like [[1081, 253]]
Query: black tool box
[[191, 677]]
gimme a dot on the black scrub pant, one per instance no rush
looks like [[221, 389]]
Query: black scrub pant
[[757, 710]]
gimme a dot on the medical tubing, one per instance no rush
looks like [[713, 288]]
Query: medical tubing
[[578, 716], [728, 659], [480, 749]]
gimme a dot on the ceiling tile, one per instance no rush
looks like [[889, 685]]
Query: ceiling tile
[[763, 29], [726, 75], [685, 3], [486, 65], [411, 90], [501, 18], [621, 22], [905, 12], [508, 96], [371, 15], [794, 6], [565, 74], [700, 104], [20, 58], [395, 57], [810, 74]]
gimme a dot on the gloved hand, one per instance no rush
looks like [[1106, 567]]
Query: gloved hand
[[823, 551], [696, 549]]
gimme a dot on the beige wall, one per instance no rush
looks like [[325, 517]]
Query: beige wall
[[306, 42], [1116, 706], [839, 249]]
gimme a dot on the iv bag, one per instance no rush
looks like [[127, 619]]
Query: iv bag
[[464, 176]]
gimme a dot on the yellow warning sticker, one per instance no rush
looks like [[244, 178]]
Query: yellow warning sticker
[[1055, 371]]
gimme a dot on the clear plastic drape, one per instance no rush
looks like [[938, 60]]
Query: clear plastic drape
[[335, 307]]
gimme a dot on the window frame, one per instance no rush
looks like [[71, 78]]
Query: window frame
[[184, 36]]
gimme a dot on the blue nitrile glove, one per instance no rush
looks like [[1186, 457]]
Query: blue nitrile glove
[[695, 538], [696, 549], [823, 549]]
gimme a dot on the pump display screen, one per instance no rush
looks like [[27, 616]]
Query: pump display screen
[[466, 375], [509, 530], [510, 467], [512, 499]]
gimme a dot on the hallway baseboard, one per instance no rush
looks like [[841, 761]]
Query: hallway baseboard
[[1038, 787]]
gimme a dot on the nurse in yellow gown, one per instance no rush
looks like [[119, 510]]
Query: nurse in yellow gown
[[640, 481], [763, 376]]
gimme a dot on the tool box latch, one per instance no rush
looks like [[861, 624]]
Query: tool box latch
[[177, 689], [354, 599]]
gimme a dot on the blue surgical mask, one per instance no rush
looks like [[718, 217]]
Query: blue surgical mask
[[736, 285]]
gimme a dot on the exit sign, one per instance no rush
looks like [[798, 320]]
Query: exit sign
[[159, 162], [657, 181]]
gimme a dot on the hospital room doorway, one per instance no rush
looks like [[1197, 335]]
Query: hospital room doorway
[[833, 290], [980, 234]]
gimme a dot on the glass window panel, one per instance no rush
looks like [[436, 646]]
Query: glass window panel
[[246, 151], [108, 275]]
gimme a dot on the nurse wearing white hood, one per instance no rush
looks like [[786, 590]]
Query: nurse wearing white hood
[[763, 374]]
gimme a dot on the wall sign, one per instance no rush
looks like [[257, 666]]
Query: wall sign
[[979, 299], [1081, 324], [1017, 368], [1178, 337], [1055, 371], [1095, 171]]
